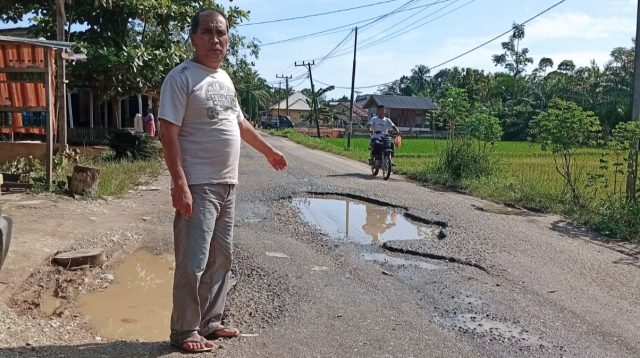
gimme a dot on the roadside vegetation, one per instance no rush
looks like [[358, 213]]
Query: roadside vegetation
[[554, 138], [521, 173], [547, 135], [130, 161]]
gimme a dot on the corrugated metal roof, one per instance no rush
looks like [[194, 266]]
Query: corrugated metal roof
[[401, 102], [39, 42]]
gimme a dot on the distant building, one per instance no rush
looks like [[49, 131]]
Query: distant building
[[295, 106], [404, 111], [340, 112]]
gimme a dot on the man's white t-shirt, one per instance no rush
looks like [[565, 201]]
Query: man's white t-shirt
[[202, 101], [380, 124]]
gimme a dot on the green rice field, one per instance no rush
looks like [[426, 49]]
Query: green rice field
[[526, 174]]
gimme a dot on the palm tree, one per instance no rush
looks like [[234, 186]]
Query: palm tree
[[253, 94], [419, 79]]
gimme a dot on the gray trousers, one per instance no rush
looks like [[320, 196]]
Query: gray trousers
[[203, 250]]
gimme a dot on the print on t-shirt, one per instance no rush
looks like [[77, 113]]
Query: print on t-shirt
[[222, 99]]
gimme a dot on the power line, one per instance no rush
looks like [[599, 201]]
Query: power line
[[400, 32], [375, 19], [342, 27], [499, 36], [332, 54], [467, 52], [396, 10], [314, 15]]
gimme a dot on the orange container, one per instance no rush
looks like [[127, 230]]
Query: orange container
[[4, 88]]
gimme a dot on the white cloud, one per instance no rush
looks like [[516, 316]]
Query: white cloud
[[578, 25]]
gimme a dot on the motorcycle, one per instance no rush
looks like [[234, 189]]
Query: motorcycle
[[382, 151]]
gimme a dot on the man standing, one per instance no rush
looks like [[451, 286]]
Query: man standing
[[202, 125]]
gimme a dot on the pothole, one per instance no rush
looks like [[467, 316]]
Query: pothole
[[137, 305], [500, 209], [397, 261], [494, 330], [363, 223]]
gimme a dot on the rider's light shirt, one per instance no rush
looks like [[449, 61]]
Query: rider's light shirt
[[380, 124]]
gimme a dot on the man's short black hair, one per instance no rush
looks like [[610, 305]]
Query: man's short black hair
[[195, 20], [380, 106]]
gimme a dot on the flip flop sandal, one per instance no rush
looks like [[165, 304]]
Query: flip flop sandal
[[194, 339], [230, 333]]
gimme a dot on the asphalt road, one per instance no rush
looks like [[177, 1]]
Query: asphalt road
[[498, 285]]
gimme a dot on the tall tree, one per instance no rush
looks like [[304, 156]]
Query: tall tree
[[130, 44], [514, 59]]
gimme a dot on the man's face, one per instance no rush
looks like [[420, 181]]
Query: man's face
[[211, 40], [381, 112]]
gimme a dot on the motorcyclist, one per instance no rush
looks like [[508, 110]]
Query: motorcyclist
[[379, 129]]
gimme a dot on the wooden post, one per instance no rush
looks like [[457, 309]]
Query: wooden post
[[61, 103], [353, 81], [70, 110], [91, 109], [47, 90], [106, 113]]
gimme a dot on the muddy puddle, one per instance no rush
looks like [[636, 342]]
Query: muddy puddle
[[137, 305], [361, 223]]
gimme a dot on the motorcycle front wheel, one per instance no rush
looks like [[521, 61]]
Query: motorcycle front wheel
[[386, 167]]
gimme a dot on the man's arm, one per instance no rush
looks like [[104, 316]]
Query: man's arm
[[393, 125], [180, 194], [254, 139]]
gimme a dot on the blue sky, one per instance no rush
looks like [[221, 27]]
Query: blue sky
[[580, 30]]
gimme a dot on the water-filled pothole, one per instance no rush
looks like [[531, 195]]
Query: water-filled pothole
[[362, 223], [137, 305]]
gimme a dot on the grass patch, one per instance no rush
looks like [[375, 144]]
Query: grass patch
[[117, 176]]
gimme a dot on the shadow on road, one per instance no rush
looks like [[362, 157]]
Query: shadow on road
[[630, 250], [92, 350], [360, 176], [574, 231]]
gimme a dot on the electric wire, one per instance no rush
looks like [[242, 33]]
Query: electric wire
[[471, 50], [497, 37], [365, 45], [343, 27], [373, 20], [400, 32], [314, 15]]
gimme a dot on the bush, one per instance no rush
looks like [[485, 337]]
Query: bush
[[617, 217], [129, 144], [463, 160]]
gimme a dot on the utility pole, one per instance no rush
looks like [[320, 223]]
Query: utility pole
[[279, 100], [60, 79], [635, 116], [286, 79], [313, 92], [353, 82]]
